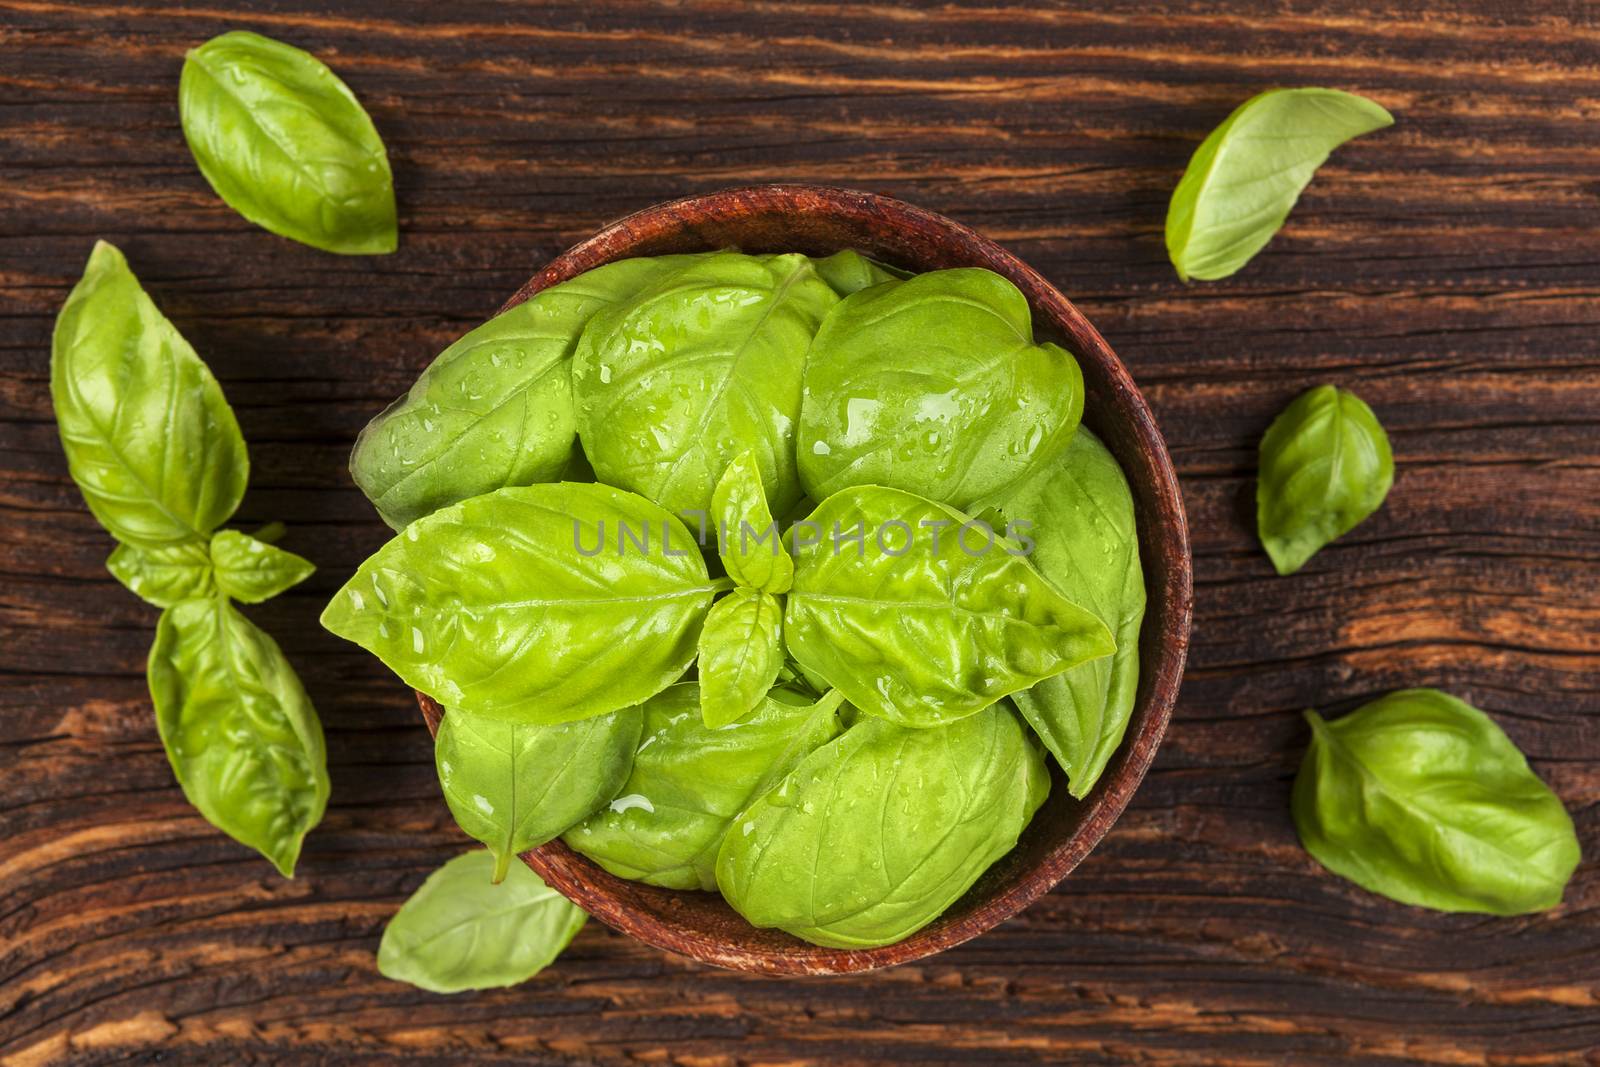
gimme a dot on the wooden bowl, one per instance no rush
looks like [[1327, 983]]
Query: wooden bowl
[[819, 220]]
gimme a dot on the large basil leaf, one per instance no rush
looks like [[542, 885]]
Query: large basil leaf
[[1247, 174], [539, 604], [875, 834], [1421, 798], [749, 542], [148, 436], [251, 570], [461, 931], [689, 781], [705, 364], [514, 787], [1325, 466], [240, 732], [1080, 516], [850, 272], [922, 621], [286, 144], [741, 651], [163, 576], [934, 386], [495, 408]]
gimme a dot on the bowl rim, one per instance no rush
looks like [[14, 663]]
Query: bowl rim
[[584, 882]]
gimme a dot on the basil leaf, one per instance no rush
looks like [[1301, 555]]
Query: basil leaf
[[252, 570], [239, 730], [697, 369], [286, 144], [148, 436], [495, 408], [1421, 798], [741, 650], [749, 542], [689, 781], [923, 620], [850, 272], [875, 834], [978, 407], [163, 576], [1080, 517], [1325, 466], [1249, 171], [514, 787], [460, 931], [513, 604]]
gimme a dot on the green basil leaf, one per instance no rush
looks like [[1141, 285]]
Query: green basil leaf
[[514, 787], [749, 542], [286, 144], [1325, 466], [515, 605], [741, 650], [461, 931], [163, 576], [1080, 517], [495, 408], [1421, 798], [924, 619], [700, 367], [240, 732], [850, 272], [1247, 174], [689, 781], [148, 436], [252, 571], [934, 386], [875, 834]]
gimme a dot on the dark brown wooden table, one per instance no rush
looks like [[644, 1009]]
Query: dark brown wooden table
[[1448, 269]]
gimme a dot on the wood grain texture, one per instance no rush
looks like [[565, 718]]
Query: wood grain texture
[[1448, 269]]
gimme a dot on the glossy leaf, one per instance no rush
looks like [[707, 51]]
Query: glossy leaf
[[533, 604], [495, 408], [148, 436], [748, 540], [461, 931], [286, 144], [934, 386], [923, 622], [689, 781], [1247, 174], [850, 272], [163, 576], [700, 367], [875, 834], [1421, 798], [1080, 517], [252, 571], [741, 650], [514, 787], [1325, 466], [240, 732]]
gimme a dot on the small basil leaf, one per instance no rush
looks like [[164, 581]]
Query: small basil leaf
[[1325, 466], [741, 650], [850, 272], [252, 571], [976, 407], [461, 931], [924, 619], [148, 436], [700, 367], [749, 542], [876, 833], [163, 576], [515, 787], [286, 144], [1080, 517], [1247, 174], [495, 408], [513, 605], [689, 781], [239, 730], [1421, 798]]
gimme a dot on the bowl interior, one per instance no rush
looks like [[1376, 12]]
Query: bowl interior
[[818, 221]]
